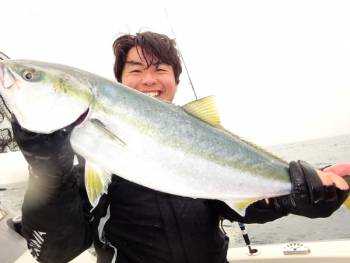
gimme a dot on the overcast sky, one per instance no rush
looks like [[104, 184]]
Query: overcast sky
[[280, 70]]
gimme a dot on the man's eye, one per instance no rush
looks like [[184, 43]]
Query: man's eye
[[135, 71], [161, 69]]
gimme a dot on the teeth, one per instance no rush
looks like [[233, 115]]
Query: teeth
[[152, 93]]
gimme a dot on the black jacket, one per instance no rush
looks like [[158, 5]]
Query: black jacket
[[131, 223]]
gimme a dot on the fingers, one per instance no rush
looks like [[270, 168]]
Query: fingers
[[329, 178], [326, 180], [340, 169], [339, 181]]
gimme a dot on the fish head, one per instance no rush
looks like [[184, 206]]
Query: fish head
[[44, 97]]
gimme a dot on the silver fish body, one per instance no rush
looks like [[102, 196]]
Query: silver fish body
[[143, 139]]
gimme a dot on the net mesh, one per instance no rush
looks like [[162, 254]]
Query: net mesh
[[7, 141]]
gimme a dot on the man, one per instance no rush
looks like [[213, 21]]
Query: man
[[133, 223]]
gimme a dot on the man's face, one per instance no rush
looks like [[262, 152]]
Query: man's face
[[156, 80]]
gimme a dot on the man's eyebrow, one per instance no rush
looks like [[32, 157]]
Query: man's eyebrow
[[138, 63], [132, 62]]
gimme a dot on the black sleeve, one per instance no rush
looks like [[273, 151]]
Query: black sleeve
[[258, 212], [55, 222], [56, 229]]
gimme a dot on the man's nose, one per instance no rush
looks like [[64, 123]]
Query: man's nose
[[149, 78]]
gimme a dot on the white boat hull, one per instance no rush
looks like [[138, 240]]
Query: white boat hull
[[320, 252], [337, 251]]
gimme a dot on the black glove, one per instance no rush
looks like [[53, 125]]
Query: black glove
[[50, 158], [47, 154], [309, 197]]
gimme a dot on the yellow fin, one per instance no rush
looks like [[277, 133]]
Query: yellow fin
[[204, 109], [347, 203], [241, 206], [96, 182]]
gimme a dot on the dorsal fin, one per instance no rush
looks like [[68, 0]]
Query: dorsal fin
[[204, 109]]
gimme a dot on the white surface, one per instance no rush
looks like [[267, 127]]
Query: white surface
[[13, 168], [85, 257], [321, 252]]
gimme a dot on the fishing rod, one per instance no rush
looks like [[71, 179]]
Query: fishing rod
[[180, 53], [241, 225], [246, 239], [3, 56]]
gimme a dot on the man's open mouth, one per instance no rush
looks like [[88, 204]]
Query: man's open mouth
[[152, 93]]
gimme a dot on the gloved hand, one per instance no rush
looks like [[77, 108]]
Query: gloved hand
[[309, 197], [47, 154]]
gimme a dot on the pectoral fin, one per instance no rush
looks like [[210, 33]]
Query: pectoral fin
[[96, 182], [99, 125]]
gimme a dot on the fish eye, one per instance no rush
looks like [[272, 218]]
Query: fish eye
[[29, 74]]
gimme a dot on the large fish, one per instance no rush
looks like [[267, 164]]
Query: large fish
[[178, 150]]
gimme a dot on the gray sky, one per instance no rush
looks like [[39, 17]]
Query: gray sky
[[279, 69]]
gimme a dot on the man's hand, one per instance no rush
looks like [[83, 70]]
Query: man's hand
[[50, 157], [314, 193], [341, 169], [47, 154], [333, 175]]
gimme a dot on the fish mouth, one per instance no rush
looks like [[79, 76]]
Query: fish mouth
[[82, 117], [8, 81], [2, 69]]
